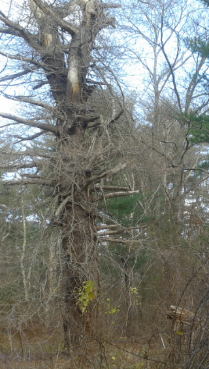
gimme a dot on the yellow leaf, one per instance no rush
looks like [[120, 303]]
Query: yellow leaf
[[113, 357], [180, 333], [91, 296]]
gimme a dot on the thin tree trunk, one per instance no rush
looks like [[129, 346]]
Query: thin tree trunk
[[23, 255]]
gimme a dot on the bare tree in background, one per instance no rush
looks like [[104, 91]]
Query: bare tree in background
[[173, 82]]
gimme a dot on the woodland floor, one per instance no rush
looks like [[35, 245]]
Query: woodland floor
[[115, 354]]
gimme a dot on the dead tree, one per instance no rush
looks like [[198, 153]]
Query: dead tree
[[51, 45], [185, 325]]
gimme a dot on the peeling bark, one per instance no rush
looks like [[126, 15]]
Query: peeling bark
[[73, 80]]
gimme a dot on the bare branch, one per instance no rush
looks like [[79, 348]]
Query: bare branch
[[29, 137], [193, 84], [117, 116], [108, 6], [62, 205], [19, 120], [88, 119], [27, 153], [111, 188], [108, 173], [21, 166], [30, 39], [169, 64], [118, 240], [24, 59], [37, 181], [107, 226], [9, 31], [29, 101], [106, 233], [190, 169], [119, 230], [113, 120], [40, 85], [95, 82], [118, 194], [17, 75], [65, 25]]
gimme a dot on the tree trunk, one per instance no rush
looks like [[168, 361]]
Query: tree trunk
[[81, 265], [79, 243]]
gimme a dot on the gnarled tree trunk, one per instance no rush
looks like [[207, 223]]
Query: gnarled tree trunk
[[67, 80]]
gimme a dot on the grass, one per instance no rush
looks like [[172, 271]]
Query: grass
[[101, 354]]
